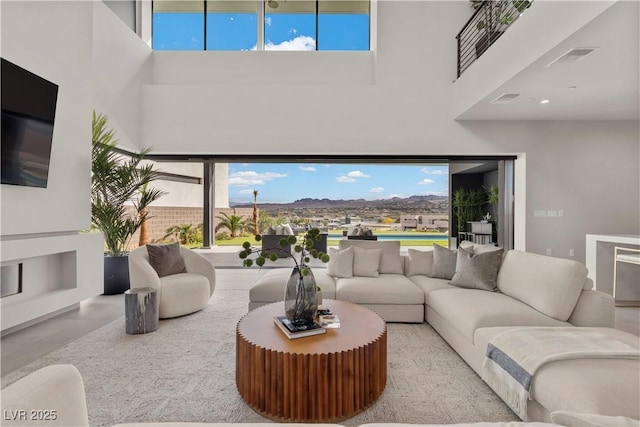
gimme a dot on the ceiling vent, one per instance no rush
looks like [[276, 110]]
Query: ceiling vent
[[505, 98], [573, 55]]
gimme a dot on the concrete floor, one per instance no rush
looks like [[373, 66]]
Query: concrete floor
[[22, 347]]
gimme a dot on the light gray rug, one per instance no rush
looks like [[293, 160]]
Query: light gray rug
[[185, 371]]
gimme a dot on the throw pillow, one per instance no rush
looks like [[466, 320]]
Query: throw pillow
[[420, 262], [444, 263], [340, 262], [477, 248], [577, 419], [287, 230], [366, 262], [166, 259], [477, 270]]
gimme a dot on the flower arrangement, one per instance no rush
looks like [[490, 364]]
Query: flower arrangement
[[305, 249], [300, 296]]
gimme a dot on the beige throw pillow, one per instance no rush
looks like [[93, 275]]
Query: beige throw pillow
[[477, 270], [166, 259], [340, 262], [366, 262], [444, 263], [420, 262]]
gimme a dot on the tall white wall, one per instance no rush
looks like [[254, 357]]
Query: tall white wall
[[53, 40], [120, 69], [398, 99]]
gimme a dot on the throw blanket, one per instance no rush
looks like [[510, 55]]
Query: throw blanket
[[514, 356]]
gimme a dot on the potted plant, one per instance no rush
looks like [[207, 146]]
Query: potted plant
[[493, 19], [117, 181], [300, 297]]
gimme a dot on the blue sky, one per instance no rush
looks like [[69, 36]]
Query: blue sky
[[286, 182], [238, 31]]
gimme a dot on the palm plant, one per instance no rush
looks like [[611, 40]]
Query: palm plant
[[256, 230], [183, 231], [117, 181], [234, 223]]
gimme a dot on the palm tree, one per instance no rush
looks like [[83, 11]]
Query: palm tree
[[183, 231], [256, 230], [234, 223], [115, 182]]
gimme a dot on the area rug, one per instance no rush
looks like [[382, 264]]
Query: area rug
[[185, 371]]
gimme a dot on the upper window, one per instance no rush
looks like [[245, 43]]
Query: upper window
[[260, 25]]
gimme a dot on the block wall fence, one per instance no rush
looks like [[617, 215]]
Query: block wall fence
[[164, 217]]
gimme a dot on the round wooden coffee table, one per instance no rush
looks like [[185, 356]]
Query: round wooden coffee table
[[321, 378]]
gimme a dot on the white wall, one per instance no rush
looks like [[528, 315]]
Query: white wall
[[53, 40], [119, 70], [396, 100]]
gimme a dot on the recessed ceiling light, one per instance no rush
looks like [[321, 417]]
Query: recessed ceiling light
[[544, 101], [573, 87]]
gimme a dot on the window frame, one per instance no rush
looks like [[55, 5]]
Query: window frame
[[145, 12]]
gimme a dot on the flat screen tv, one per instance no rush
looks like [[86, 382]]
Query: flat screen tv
[[28, 115]]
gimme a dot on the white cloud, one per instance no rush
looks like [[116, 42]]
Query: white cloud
[[245, 178], [308, 168], [358, 174], [298, 43], [246, 191], [377, 190], [293, 31], [434, 171], [345, 179], [425, 181], [267, 21]]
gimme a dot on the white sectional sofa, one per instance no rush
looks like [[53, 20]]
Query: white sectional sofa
[[529, 290]]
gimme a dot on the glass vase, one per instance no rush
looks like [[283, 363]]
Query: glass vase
[[300, 301]]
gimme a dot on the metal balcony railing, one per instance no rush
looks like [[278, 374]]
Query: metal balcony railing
[[488, 23]]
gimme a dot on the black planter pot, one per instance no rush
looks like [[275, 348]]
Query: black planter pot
[[116, 274]]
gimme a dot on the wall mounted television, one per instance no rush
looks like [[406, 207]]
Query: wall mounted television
[[28, 115]]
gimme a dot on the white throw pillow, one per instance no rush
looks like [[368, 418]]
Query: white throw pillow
[[340, 262], [420, 262], [577, 419], [477, 248], [366, 262]]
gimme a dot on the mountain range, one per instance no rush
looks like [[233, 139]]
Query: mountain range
[[413, 202]]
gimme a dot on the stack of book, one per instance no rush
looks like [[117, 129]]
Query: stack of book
[[297, 331]]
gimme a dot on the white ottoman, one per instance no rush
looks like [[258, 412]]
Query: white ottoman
[[270, 287]]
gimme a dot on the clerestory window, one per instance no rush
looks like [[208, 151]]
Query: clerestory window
[[260, 25]]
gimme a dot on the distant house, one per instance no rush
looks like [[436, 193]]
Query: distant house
[[427, 222]]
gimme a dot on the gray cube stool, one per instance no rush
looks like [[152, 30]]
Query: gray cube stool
[[141, 310]]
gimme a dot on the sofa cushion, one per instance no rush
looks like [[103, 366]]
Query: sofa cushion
[[384, 289], [444, 263], [390, 259], [340, 262], [477, 270], [366, 262], [578, 419], [418, 262], [469, 309], [270, 287], [431, 284], [596, 385], [550, 285]]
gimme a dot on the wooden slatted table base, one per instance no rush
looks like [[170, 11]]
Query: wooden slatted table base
[[323, 378]]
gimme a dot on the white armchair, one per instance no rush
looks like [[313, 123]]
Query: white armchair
[[179, 294]]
